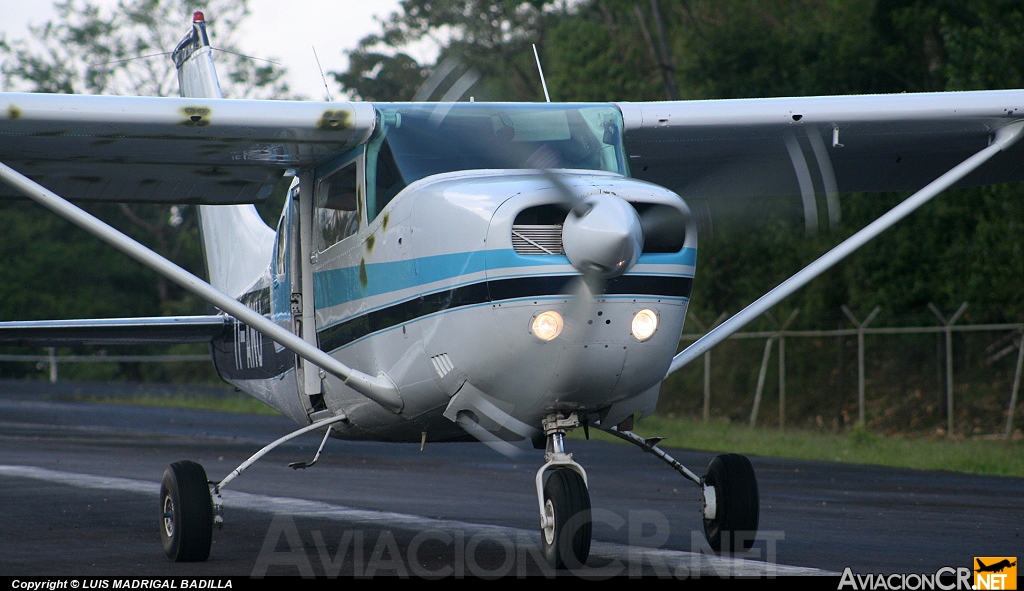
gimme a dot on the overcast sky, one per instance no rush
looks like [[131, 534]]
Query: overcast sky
[[293, 27]]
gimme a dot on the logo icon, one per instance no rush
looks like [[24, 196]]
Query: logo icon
[[995, 572]]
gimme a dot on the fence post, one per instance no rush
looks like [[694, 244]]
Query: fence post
[[760, 380], [52, 355], [706, 412], [778, 336], [948, 325], [860, 356], [782, 367], [1016, 388]]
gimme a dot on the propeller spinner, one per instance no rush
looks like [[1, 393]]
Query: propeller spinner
[[602, 235]]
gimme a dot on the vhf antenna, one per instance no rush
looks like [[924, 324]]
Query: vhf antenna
[[322, 77], [544, 84]]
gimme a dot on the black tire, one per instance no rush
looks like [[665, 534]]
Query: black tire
[[738, 506], [567, 504], [186, 513]]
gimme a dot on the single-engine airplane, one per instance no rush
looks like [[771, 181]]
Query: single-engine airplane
[[468, 271]]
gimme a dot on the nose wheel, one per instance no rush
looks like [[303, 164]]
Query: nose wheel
[[565, 518], [566, 528]]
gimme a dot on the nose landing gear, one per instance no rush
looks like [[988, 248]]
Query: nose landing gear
[[565, 518]]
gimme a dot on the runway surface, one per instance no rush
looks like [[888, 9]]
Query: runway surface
[[79, 489]]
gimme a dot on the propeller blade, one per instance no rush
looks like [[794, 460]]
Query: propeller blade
[[505, 448]]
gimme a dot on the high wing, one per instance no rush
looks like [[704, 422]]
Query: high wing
[[828, 144], [219, 151], [171, 150]]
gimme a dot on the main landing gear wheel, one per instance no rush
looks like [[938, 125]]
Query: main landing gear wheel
[[567, 520], [731, 512], [186, 513]]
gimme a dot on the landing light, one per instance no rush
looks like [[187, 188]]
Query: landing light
[[645, 322], [547, 325]]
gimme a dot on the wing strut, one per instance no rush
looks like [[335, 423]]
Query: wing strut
[[380, 389], [1003, 138]]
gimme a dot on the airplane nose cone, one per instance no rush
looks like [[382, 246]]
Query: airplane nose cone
[[602, 234]]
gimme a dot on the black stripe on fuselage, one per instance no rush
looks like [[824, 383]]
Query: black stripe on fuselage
[[484, 292]]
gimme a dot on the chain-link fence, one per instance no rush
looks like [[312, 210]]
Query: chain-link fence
[[948, 378]]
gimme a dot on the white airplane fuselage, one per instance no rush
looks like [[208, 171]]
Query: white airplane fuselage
[[434, 294]]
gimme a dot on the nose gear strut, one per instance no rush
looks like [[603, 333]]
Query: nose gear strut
[[565, 519]]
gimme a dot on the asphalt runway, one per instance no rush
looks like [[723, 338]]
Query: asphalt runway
[[79, 489]]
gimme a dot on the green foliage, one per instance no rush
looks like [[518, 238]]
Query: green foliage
[[594, 57], [489, 40], [983, 48], [54, 270], [381, 77]]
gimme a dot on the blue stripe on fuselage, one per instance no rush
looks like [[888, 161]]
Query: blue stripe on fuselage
[[334, 287]]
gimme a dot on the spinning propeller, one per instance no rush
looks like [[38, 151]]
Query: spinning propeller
[[602, 234]]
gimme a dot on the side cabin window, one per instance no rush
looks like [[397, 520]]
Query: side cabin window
[[281, 248], [289, 215], [384, 179], [338, 212]]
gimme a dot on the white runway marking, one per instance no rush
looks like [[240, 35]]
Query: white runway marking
[[672, 561]]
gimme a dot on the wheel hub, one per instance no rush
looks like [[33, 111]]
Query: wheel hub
[[548, 522], [710, 502], [168, 516]]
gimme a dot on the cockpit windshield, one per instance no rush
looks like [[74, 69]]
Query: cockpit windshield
[[419, 140]]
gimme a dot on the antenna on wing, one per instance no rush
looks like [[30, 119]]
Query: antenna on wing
[[544, 84], [322, 77]]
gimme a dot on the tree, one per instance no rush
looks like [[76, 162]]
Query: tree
[[490, 39]]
